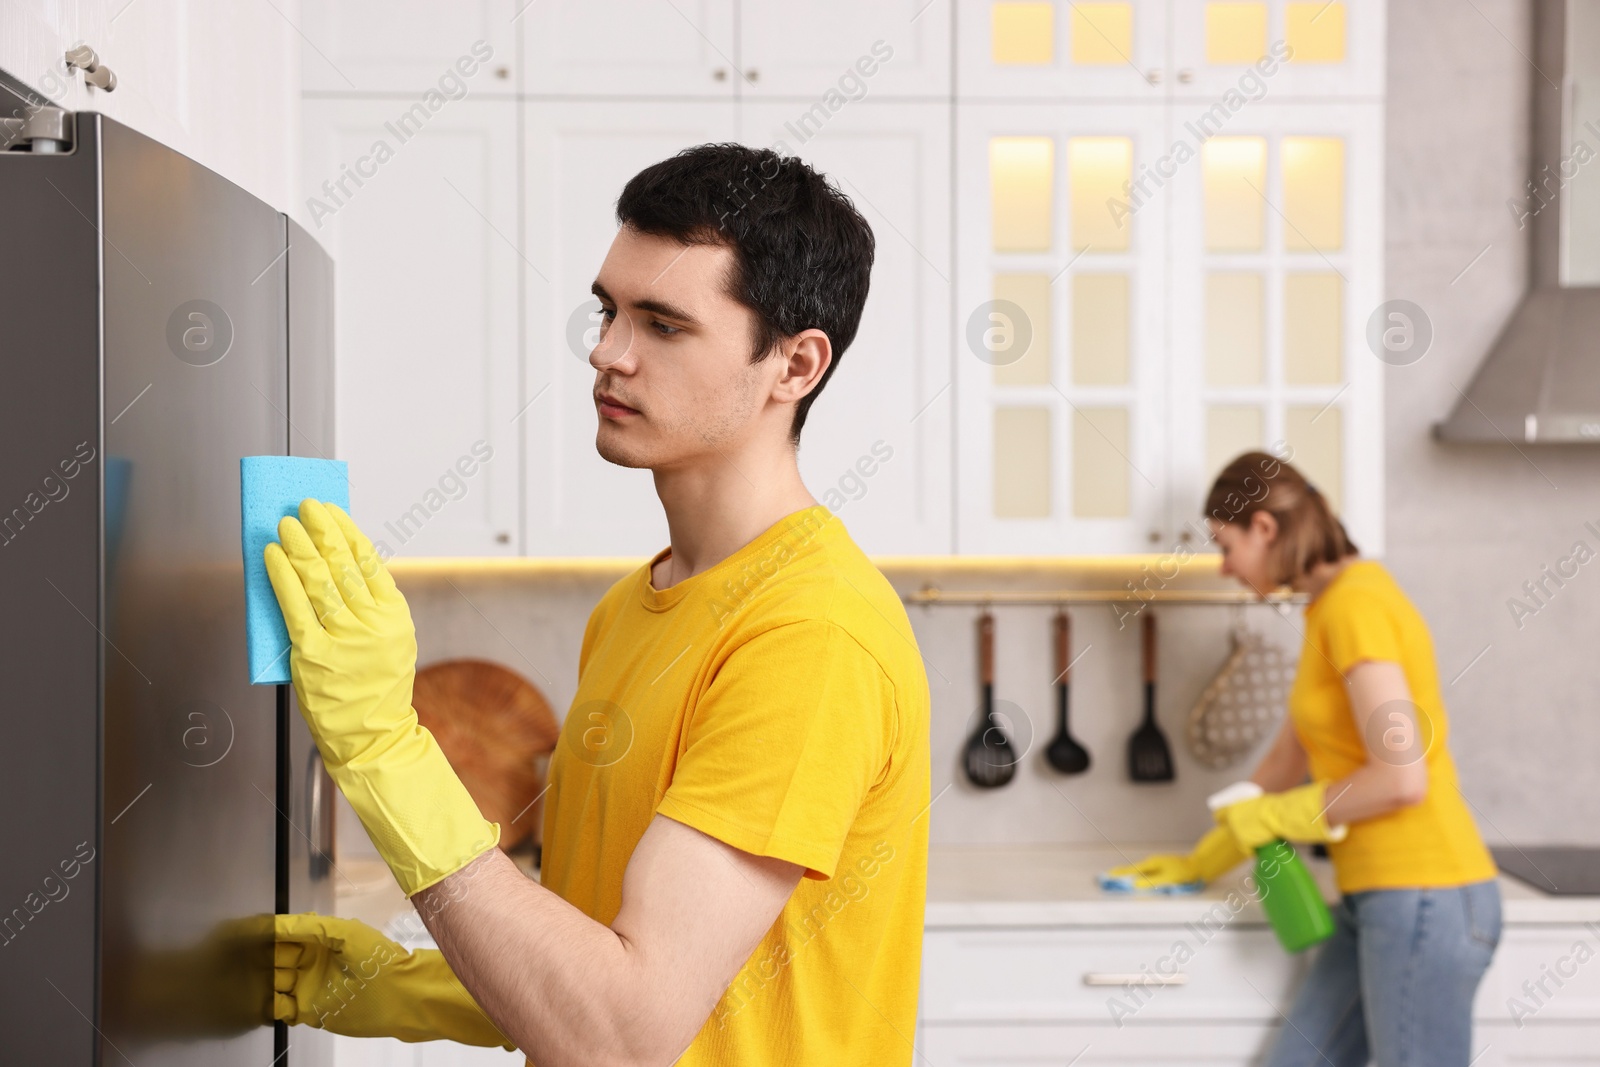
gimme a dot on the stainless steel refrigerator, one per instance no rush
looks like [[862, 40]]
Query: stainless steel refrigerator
[[157, 322]]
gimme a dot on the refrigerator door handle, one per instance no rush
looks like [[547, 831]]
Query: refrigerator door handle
[[319, 813]]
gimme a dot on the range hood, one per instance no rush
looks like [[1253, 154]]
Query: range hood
[[1540, 383]]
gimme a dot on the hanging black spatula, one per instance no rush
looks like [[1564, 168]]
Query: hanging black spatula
[[1064, 753], [1149, 758], [989, 759]]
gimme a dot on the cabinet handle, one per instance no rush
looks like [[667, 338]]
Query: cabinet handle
[[1186, 76], [1153, 76], [720, 74], [752, 74], [1119, 978]]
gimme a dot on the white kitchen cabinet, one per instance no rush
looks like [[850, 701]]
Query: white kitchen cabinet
[[424, 235], [1146, 50], [1061, 50], [1079, 975], [1276, 253], [1205, 287], [1544, 1045], [186, 75], [387, 1052], [408, 46], [1329, 49], [1060, 363], [579, 156], [823, 52], [876, 447], [1200, 1042], [630, 48]]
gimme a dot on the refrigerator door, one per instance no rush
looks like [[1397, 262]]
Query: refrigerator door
[[50, 651], [306, 840], [195, 377]]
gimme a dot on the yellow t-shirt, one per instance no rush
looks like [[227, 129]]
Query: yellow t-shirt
[[1363, 615], [777, 702]]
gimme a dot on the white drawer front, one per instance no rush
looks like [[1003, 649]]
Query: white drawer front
[[1023, 1045], [1115, 976], [1542, 974]]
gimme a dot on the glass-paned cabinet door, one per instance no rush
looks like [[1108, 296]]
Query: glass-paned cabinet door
[[1277, 265], [1059, 319], [1235, 53], [1063, 50]]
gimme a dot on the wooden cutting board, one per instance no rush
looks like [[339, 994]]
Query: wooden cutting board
[[493, 725]]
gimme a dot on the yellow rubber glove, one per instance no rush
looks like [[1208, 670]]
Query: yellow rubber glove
[[343, 976], [353, 660], [1297, 814], [1214, 855]]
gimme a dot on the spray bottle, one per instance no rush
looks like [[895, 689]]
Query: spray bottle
[[1289, 894]]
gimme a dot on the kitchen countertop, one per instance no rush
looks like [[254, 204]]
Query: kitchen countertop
[[1053, 885], [999, 886]]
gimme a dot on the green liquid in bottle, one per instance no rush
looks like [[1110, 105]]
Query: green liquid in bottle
[[1290, 897]]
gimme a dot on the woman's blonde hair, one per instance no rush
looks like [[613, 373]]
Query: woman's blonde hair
[[1308, 531]]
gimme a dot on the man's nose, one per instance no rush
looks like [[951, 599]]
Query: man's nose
[[615, 348]]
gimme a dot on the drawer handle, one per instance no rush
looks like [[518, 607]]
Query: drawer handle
[[1116, 978]]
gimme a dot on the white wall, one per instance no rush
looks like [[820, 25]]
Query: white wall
[[219, 82], [1467, 525]]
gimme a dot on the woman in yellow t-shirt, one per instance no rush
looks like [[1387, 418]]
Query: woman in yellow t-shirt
[[1419, 917]]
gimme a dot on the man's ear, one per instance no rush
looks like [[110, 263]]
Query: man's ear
[[806, 357]]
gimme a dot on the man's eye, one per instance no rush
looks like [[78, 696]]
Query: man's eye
[[664, 330]]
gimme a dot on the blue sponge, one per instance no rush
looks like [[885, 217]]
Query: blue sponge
[[1117, 883], [271, 487]]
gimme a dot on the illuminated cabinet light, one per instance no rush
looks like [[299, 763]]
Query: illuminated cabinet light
[[1021, 172], [1102, 34], [1315, 32], [1022, 35], [1097, 170], [1313, 193], [1234, 175], [1236, 34]]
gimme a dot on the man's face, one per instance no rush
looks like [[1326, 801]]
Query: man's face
[[674, 383]]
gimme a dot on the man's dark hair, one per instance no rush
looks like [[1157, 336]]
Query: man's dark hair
[[802, 252]]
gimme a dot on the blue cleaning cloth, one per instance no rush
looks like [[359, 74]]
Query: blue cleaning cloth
[[271, 487], [1124, 884]]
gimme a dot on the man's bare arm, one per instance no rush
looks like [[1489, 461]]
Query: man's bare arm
[[569, 990]]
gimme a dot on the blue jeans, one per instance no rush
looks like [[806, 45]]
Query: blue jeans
[[1394, 985]]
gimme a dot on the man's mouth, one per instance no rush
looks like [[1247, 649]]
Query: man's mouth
[[612, 408]]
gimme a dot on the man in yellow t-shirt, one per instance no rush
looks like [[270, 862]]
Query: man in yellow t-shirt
[[735, 838]]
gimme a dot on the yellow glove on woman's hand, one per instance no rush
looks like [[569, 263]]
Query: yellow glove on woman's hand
[[1213, 856], [353, 660], [343, 976], [1298, 814]]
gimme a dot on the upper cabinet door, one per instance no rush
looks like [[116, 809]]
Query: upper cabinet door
[[831, 53], [1277, 256], [876, 446], [465, 47], [1061, 50], [1234, 52], [1060, 319], [633, 48], [423, 234], [579, 156]]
